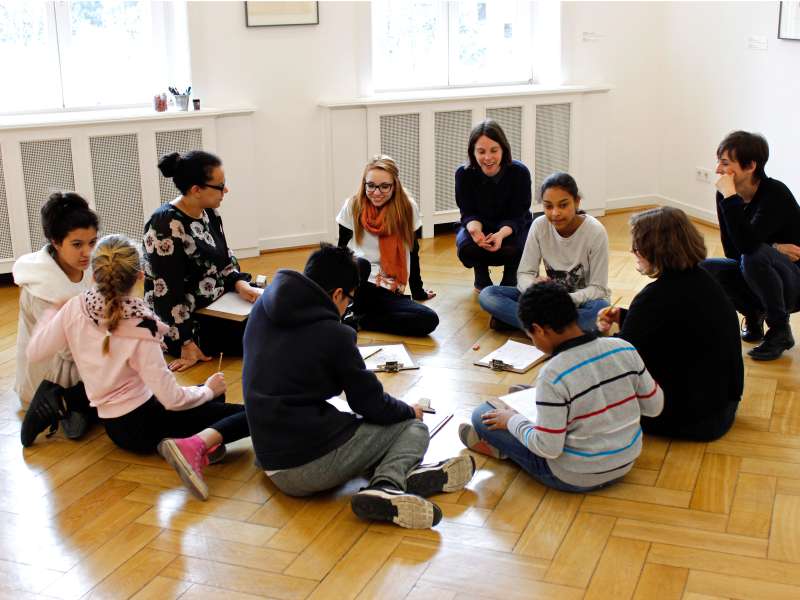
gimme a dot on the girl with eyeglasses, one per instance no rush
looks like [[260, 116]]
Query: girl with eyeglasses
[[381, 224], [188, 264]]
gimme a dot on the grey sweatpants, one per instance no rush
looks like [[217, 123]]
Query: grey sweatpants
[[385, 453]]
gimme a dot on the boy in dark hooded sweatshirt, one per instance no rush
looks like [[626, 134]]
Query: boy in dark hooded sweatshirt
[[298, 354]]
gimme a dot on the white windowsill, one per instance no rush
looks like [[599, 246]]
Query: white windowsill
[[97, 117], [449, 94]]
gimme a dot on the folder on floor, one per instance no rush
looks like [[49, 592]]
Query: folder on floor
[[513, 356]]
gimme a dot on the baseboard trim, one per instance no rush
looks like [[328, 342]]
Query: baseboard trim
[[286, 242], [627, 203]]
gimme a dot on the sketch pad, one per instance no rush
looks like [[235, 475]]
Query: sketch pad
[[229, 306], [524, 402]]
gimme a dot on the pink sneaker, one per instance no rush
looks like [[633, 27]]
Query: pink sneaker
[[188, 456]]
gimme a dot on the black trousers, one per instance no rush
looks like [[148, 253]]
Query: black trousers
[[214, 335], [379, 309], [710, 428], [144, 427]]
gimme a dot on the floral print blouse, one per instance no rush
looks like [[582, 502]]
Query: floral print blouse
[[188, 265]]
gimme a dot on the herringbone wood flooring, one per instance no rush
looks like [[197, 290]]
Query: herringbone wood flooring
[[86, 520]]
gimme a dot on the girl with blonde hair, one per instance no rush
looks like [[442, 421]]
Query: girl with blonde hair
[[381, 224], [116, 341]]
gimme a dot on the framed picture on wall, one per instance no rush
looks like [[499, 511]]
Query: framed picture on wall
[[272, 14], [789, 21]]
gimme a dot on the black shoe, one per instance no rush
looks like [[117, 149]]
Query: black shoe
[[499, 325], [75, 424], [775, 342], [46, 410], [753, 328], [399, 507], [445, 476]]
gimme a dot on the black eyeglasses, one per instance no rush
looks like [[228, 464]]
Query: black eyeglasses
[[220, 187], [384, 187], [345, 294]]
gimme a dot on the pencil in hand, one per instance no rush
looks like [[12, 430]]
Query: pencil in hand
[[219, 364]]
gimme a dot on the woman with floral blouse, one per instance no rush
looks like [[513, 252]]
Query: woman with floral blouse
[[188, 263]]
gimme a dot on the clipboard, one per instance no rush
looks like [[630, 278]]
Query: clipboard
[[513, 356], [387, 358]]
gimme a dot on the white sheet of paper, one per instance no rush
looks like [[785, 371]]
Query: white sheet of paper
[[524, 402], [516, 354], [385, 353], [233, 303]]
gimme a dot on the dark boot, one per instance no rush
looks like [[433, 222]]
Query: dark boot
[[47, 408], [753, 328], [776, 341], [482, 278]]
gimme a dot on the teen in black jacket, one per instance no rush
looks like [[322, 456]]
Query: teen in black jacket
[[297, 355]]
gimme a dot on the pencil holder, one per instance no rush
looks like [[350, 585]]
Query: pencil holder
[[181, 101]]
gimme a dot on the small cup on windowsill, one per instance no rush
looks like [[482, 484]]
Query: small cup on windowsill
[[181, 101]]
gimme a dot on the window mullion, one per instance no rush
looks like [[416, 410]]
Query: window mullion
[[57, 36]]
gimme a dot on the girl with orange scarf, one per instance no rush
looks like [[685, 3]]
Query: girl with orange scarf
[[381, 225]]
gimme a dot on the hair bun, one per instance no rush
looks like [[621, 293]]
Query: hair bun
[[168, 164]]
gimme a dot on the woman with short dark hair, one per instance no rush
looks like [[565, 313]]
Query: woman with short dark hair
[[684, 327], [493, 193], [188, 264]]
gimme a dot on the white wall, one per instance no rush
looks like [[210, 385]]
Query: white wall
[[681, 72], [717, 84], [626, 54], [284, 72]]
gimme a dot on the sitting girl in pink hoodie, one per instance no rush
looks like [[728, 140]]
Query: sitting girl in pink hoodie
[[116, 342]]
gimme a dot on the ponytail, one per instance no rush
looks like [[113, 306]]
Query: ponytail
[[115, 264]]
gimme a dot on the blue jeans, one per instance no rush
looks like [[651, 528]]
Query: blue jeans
[[502, 302], [762, 282], [533, 465]]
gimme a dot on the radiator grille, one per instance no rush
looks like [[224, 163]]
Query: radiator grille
[[553, 123], [117, 184], [400, 140], [451, 136], [510, 119], [179, 140]]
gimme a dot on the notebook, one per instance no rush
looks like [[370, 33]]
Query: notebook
[[376, 357], [513, 356], [229, 306], [524, 402]]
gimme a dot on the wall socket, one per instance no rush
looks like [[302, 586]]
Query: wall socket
[[703, 175]]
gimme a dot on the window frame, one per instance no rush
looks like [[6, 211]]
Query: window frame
[[448, 9]]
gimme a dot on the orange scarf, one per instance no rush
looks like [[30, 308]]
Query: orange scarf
[[392, 248]]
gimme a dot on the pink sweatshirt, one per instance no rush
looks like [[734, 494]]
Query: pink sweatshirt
[[125, 378]]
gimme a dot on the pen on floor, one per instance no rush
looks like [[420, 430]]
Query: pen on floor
[[219, 364]]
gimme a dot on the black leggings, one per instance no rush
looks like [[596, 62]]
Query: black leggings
[[144, 427], [379, 309], [214, 335]]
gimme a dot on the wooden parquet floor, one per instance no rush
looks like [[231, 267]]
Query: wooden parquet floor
[[719, 520]]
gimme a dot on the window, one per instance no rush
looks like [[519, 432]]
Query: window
[[451, 44], [72, 55]]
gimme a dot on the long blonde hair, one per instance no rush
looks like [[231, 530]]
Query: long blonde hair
[[116, 263], [399, 217]]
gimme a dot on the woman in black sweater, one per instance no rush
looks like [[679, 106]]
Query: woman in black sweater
[[493, 193], [684, 327]]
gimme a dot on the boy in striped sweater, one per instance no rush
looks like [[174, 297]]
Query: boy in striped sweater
[[589, 397]]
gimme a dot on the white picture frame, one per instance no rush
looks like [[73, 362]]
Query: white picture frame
[[276, 14], [789, 21]]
